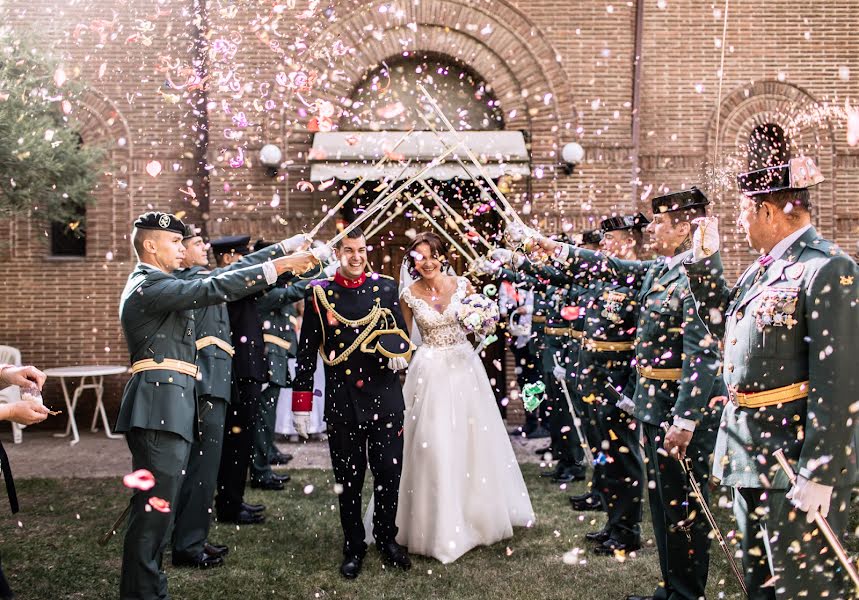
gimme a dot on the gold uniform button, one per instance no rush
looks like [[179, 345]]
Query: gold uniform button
[[730, 368], [739, 316]]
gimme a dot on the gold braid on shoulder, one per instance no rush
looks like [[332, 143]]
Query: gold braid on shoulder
[[370, 321]]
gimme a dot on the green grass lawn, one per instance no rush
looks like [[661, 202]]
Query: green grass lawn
[[49, 552]]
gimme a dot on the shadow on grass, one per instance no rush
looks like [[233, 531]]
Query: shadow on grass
[[50, 552]]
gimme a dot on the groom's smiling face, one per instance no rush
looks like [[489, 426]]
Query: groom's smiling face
[[352, 254]]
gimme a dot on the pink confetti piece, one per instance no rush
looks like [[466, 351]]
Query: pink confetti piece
[[141, 479], [159, 504], [153, 168]]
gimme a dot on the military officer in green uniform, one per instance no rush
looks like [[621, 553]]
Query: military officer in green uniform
[[789, 327], [554, 338], [213, 389], [677, 363], [158, 413], [277, 314], [603, 370]]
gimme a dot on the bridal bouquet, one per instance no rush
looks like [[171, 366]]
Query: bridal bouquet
[[478, 314]]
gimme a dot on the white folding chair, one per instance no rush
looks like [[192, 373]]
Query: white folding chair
[[12, 356]]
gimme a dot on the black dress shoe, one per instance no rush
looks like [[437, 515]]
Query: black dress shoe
[[281, 458], [396, 555], [598, 536], [201, 561], [281, 477], [612, 546], [639, 598], [544, 451], [215, 549], [271, 485], [253, 508], [568, 476], [351, 566], [243, 518], [591, 504], [582, 497]]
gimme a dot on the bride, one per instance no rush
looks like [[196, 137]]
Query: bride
[[461, 486]]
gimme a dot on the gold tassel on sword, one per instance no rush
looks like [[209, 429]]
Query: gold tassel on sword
[[823, 525], [686, 463]]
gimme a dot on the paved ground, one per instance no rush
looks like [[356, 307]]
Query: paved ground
[[43, 455]]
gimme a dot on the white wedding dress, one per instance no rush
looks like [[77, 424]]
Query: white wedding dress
[[461, 486]]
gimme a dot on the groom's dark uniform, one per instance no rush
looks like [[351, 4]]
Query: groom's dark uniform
[[343, 321]]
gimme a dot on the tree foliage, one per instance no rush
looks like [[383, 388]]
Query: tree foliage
[[44, 167]]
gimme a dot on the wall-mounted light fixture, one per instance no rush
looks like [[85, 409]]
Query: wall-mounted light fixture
[[572, 154], [270, 157]]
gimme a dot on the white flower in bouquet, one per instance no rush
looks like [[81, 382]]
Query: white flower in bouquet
[[478, 314]]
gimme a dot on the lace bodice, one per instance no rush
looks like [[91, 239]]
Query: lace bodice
[[438, 329]]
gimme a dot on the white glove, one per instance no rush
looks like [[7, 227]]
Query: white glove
[[626, 405], [397, 363], [810, 497], [559, 372], [301, 421], [331, 268], [486, 267], [322, 253], [502, 255], [705, 241], [295, 243]]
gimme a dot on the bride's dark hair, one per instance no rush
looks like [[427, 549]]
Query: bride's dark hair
[[438, 248]]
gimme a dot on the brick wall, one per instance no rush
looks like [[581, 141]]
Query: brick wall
[[561, 70]]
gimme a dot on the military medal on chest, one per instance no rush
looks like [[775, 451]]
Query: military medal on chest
[[612, 306], [777, 308]]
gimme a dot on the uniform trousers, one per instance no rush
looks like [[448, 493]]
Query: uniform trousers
[[237, 448], [683, 543], [352, 446], [620, 479], [264, 447], [165, 455], [771, 529], [194, 506], [566, 446]]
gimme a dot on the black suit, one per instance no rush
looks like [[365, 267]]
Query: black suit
[[363, 398], [250, 371]]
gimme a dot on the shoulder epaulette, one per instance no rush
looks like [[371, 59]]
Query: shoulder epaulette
[[386, 276]]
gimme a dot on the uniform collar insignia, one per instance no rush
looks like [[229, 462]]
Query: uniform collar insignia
[[349, 283], [795, 271]]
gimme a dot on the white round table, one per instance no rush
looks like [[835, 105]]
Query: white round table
[[91, 378]]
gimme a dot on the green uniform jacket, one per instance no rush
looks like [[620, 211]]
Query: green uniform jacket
[[156, 311], [277, 312], [669, 335], [798, 323], [610, 315]]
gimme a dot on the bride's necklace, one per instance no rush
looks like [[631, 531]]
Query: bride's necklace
[[433, 293]]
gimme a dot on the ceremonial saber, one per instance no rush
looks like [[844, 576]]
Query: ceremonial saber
[[454, 215], [397, 212], [577, 422], [391, 196], [686, 463], [356, 187], [823, 525], [471, 156], [441, 230], [108, 535], [476, 181]]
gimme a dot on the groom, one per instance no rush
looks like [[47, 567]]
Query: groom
[[354, 321]]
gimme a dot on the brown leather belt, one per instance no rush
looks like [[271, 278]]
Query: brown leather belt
[[556, 331], [602, 346], [538, 319], [782, 395], [661, 374], [211, 340], [168, 364], [277, 341]]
